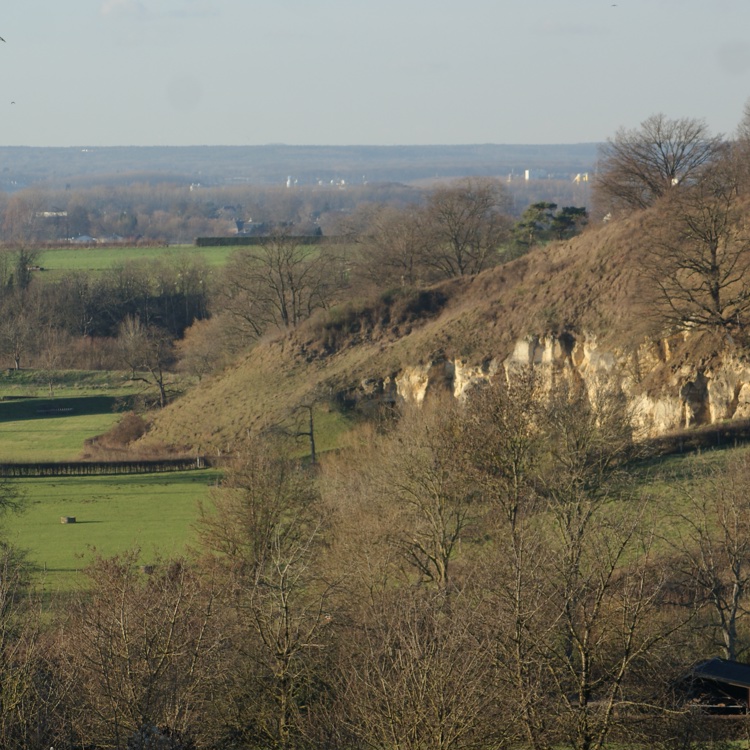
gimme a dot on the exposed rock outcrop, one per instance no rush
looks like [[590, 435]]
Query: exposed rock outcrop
[[665, 389]]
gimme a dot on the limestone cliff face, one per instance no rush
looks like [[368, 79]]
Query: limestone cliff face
[[665, 390]]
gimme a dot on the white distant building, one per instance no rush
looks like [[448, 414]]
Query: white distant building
[[52, 214]]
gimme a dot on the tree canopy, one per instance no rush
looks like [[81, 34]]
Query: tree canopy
[[638, 166]]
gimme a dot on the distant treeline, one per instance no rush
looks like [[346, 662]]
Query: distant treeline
[[272, 165], [240, 240]]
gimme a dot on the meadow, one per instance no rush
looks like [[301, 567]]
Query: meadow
[[96, 258], [154, 513], [113, 513], [37, 426]]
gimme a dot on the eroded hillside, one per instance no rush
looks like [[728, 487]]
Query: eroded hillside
[[582, 307]]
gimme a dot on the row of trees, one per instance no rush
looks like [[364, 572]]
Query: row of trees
[[472, 576], [458, 231], [173, 211], [279, 282], [54, 324], [461, 229]]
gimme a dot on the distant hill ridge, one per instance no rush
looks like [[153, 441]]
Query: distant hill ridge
[[22, 166]]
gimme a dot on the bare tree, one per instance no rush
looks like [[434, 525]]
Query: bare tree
[[505, 443], [740, 151], [31, 688], [148, 352], [393, 247], [21, 221], [572, 580], [641, 165], [605, 587], [425, 477], [266, 532], [506, 448], [52, 345], [263, 493], [700, 259], [277, 284], [78, 303], [466, 223], [144, 647], [18, 326], [417, 676], [202, 351]]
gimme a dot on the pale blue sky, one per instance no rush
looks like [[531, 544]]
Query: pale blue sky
[[383, 72]]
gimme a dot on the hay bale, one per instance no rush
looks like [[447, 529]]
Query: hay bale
[[67, 519]]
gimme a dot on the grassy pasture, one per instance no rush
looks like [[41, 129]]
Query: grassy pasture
[[36, 427], [113, 513], [96, 258], [54, 438], [65, 383], [154, 512]]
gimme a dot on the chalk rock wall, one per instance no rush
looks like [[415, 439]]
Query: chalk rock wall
[[663, 393]]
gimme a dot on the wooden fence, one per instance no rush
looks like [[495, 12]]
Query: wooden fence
[[93, 468]]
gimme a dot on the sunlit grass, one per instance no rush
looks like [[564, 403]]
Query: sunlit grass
[[54, 429], [43, 440], [64, 383], [95, 258], [154, 513], [113, 513]]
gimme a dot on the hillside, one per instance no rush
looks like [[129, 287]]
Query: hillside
[[590, 285]]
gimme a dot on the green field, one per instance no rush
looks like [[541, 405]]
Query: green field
[[44, 429], [65, 383], [37, 427], [153, 512], [113, 513], [97, 258]]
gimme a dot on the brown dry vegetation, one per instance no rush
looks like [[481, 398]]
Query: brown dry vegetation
[[592, 283]]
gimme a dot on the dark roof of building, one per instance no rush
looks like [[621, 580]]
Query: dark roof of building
[[722, 670]]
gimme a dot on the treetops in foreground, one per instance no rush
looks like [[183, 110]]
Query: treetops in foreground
[[465, 576]]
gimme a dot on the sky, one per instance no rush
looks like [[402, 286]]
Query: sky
[[365, 72]]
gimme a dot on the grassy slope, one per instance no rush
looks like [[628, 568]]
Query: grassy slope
[[590, 283]]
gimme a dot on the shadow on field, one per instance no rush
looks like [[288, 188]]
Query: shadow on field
[[46, 408]]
